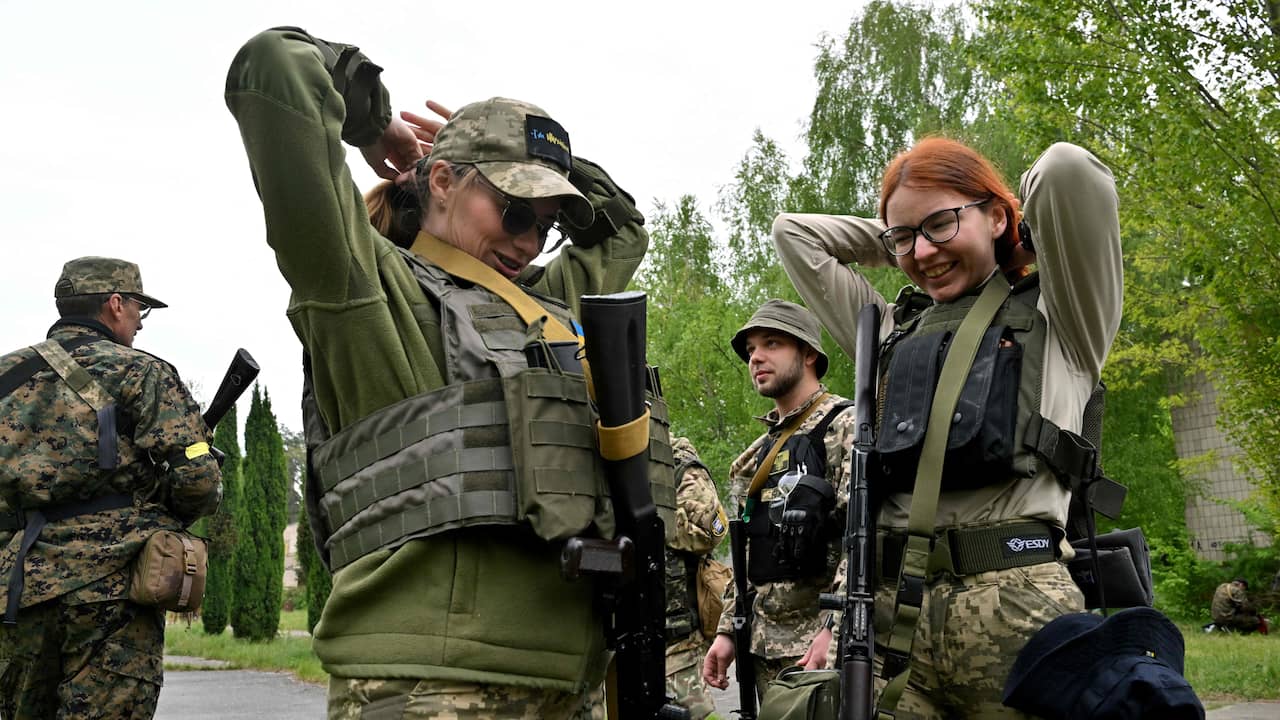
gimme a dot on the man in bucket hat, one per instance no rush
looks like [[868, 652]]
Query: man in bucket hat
[[1124, 667], [789, 487], [100, 447]]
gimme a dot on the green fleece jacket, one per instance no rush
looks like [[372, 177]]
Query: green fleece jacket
[[480, 604]]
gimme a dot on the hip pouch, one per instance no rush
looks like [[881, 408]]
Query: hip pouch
[[170, 572], [799, 694], [1123, 572], [980, 445]]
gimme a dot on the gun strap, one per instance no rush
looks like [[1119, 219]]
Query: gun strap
[[924, 500], [83, 384], [762, 472], [460, 264]]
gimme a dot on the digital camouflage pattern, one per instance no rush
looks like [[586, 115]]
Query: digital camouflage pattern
[[48, 456], [785, 614], [373, 699], [516, 146], [85, 661], [701, 524], [684, 678], [970, 631], [93, 275], [1231, 608]]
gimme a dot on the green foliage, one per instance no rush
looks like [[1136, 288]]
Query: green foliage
[[1231, 668], [900, 73], [692, 316], [288, 654], [316, 581], [220, 530], [259, 554], [1180, 100]]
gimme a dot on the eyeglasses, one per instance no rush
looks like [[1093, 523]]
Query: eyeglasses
[[938, 228], [518, 214], [143, 308]]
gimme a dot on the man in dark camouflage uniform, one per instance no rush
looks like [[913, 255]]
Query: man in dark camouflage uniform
[[782, 347], [1232, 610], [77, 504]]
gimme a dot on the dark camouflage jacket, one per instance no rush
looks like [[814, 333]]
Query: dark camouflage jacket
[[49, 453]]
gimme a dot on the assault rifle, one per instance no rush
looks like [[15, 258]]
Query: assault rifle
[[857, 635], [632, 566], [744, 598], [240, 374]]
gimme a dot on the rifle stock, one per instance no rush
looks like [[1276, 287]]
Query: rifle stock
[[856, 652], [614, 334], [742, 602], [240, 374]]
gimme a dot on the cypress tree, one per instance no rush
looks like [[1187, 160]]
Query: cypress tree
[[259, 552], [315, 576], [221, 530]]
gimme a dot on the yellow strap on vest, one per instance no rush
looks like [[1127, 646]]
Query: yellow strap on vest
[[194, 451], [762, 472], [624, 441], [73, 374], [460, 264]]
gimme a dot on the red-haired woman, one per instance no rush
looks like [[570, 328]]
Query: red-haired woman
[[996, 573]]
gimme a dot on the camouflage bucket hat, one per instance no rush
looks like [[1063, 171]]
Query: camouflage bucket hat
[[790, 318], [518, 148], [93, 275]]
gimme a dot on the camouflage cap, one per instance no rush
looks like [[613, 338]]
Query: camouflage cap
[[518, 148], [792, 319], [93, 275]]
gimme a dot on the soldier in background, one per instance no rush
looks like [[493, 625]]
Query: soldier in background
[[1232, 610], [785, 488], [700, 526], [100, 446]]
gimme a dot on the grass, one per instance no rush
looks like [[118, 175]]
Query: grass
[[286, 653], [1226, 669]]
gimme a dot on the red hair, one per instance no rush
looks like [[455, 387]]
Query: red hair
[[943, 163]]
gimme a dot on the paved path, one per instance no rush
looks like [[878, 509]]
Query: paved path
[[251, 694], [237, 695]]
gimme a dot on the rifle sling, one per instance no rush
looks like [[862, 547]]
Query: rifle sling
[[924, 500]]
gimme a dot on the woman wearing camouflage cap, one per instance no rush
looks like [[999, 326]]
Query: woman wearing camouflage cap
[[998, 514], [437, 514]]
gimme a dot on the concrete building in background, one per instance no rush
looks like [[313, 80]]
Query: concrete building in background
[[1211, 522]]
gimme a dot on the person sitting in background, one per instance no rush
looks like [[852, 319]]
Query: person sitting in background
[[1232, 610]]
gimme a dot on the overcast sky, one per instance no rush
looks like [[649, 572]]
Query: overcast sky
[[116, 140]]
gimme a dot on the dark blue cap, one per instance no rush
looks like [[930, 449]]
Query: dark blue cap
[[1124, 667]]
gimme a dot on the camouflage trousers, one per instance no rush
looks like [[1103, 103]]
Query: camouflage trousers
[[969, 633], [93, 661], [375, 699], [684, 678]]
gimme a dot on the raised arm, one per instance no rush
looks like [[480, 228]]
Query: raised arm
[[1071, 206], [293, 120], [816, 251], [603, 257]]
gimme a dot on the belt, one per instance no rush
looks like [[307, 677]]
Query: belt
[[968, 551], [31, 522]]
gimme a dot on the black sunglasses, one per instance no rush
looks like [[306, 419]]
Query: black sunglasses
[[518, 214]]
